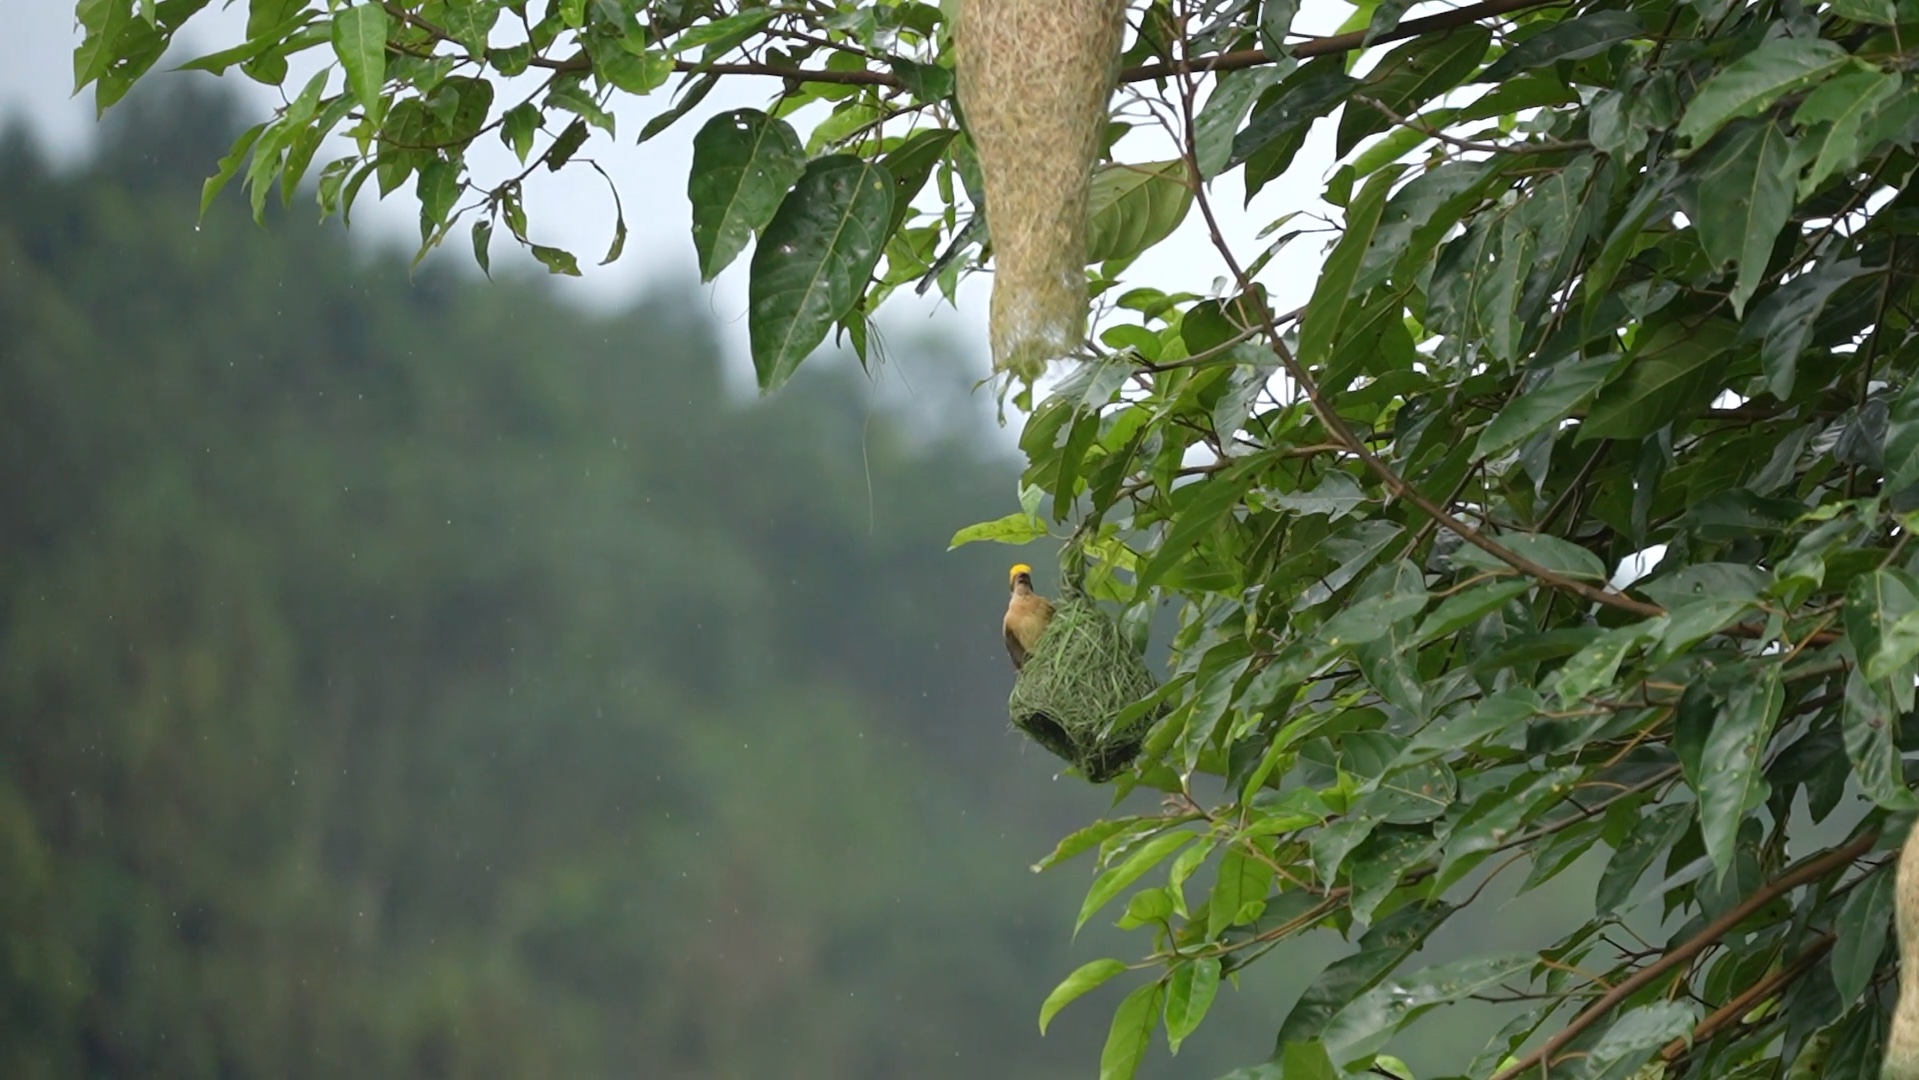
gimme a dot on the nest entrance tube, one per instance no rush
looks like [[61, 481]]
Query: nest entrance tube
[[1081, 675]]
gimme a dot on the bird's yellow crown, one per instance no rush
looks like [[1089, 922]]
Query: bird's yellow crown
[[1016, 571]]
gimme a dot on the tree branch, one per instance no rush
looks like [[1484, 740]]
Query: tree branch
[[1227, 61], [1742, 1004], [1336, 43], [1691, 947]]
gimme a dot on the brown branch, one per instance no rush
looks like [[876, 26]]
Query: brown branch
[[1753, 995], [1336, 43], [1691, 947], [1227, 61]]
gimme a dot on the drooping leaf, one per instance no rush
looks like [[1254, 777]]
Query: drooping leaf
[[744, 163], [1739, 197], [1131, 1031], [1189, 994], [1114, 881], [359, 40], [1784, 320], [1862, 926], [1363, 1026], [1326, 311], [1669, 372], [1084, 979], [1732, 783], [813, 261]]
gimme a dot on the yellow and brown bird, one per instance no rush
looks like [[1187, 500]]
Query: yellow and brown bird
[[1027, 614]]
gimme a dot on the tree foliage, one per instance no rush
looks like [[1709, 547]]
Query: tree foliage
[[1568, 519]]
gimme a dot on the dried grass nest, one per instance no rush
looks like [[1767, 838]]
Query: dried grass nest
[[1081, 675]]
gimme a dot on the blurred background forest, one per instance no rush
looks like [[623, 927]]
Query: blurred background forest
[[424, 677], [429, 678]]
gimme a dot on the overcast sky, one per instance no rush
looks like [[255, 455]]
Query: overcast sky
[[572, 209]]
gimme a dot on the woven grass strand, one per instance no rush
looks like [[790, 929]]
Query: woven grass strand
[[1035, 77], [1902, 1042], [1081, 675]]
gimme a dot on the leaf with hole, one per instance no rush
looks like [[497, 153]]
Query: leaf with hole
[[813, 261]]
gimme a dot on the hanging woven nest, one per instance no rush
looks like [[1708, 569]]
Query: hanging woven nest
[[1081, 675]]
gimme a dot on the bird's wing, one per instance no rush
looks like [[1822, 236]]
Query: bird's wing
[[1014, 647]]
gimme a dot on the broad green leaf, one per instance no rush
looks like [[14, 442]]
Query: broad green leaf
[[1381, 951], [1875, 603], [359, 40], [557, 260], [1083, 840], [1493, 715], [1132, 1030], [1667, 373], [1739, 197], [1562, 389], [1363, 1026], [1691, 623], [1861, 927], [1632, 1039], [104, 22], [1284, 114], [1132, 207], [1704, 581], [1733, 783], [1372, 617], [744, 163], [1336, 496], [1902, 439], [1189, 993], [1307, 1061], [1652, 836], [1211, 500], [1325, 313], [470, 22], [517, 127], [1562, 557], [1385, 18], [1842, 105], [1495, 816], [483, 245], [1017, 528], [1784, 320], [813, 261], [1114, 881], [229, 165], [1465, 608], [1871, 734], [1571, 39], [1593, 667], [1878, 12], [1243, 881], [1745, 87], [1218, 121], [1082, 981]]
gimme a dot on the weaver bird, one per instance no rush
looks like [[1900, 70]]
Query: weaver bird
[[1027, 614]]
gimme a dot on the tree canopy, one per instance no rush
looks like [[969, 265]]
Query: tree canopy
[[1567, 521]]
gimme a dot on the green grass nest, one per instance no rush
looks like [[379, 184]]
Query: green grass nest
[[1081, 675]]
